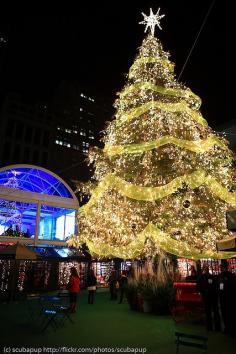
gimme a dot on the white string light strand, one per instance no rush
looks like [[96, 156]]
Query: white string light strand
[[190, 52]]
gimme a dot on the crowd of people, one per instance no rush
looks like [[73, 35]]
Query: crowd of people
[[218, 293], [116, 283]]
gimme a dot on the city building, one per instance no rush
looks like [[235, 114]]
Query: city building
[[77, 115], [26, 131], [55, 135]]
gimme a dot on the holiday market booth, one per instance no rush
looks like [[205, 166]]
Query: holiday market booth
[[25, 269]]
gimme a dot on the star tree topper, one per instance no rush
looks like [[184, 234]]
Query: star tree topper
[[152, 21]]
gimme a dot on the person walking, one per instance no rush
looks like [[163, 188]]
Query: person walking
[[91, 286], [74, 288]]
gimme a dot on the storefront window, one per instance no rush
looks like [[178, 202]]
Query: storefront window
[[56, 223], [17, 219]]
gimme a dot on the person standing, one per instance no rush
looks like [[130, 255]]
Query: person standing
[[91, 286], [193, 275], [74, 288], [226, 286], [122, 285], [113, 285], [208, 288]]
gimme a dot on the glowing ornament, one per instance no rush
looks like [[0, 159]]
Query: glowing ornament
[[186, 203]]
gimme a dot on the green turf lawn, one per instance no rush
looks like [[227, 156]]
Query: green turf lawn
[[105, 324]]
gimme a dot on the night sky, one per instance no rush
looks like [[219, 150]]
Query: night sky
[[98, 45]]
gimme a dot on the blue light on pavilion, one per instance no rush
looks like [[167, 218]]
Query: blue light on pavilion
[[38, 217]]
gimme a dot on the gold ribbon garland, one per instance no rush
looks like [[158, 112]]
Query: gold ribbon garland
[[168, 107], [161, 239], [132, 191], [163, 90], [198, 146]]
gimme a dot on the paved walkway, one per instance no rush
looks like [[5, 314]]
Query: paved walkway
[[105, 324]]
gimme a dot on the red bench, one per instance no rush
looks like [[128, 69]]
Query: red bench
[[188, 300]]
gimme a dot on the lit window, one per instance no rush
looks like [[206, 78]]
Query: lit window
[[2, 40], [82, 132], [81, 109], [59, 142]]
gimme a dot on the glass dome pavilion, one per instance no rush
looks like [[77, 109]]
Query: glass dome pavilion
[[36, 206]]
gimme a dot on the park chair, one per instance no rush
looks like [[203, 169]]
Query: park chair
[[41, 313], [54, 309], [191, 340], [47, 311]]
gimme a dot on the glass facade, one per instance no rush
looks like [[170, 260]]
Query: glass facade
[[33, 180], [56, 223], [17, 219], [47, 211]]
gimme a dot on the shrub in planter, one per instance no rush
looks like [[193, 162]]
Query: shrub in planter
[[146, 291], [163, 298], [151, 290]]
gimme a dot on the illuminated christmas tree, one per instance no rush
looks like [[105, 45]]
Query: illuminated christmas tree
[[164, 179], [10, 213]]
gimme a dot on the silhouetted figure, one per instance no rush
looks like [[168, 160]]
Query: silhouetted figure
[[208, 288], [112, 285], [122, 285], [91, 286], [193, 275], [226, 287]]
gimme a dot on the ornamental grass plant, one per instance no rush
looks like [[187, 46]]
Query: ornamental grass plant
[[151, 285]]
